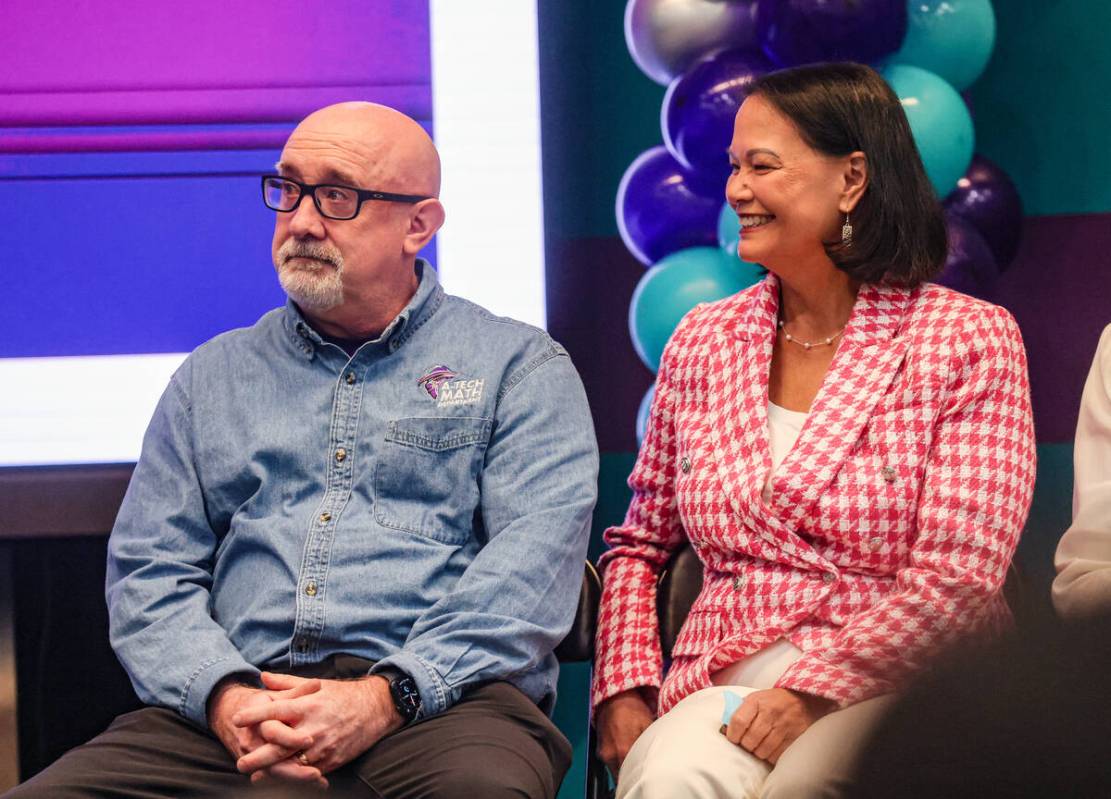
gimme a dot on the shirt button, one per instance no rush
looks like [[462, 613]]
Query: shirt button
[[325, 517], [685, 465], [310, 589], [888, 474], [350, 378], [827, 577], [302, 647], [341, 454]]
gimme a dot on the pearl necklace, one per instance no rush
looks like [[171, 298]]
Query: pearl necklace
[[810, 344]]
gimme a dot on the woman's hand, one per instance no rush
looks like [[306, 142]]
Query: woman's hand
[[767, 722], [620, 720]]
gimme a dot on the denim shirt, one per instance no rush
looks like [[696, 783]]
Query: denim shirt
[[424, 503]]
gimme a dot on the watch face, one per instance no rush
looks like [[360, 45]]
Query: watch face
[[406, 697]]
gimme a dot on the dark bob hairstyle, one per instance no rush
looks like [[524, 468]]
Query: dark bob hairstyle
[[898, 229]]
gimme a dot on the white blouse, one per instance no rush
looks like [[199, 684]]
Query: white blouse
[[761, 669]]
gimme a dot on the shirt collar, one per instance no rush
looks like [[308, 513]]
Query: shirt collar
[[425, 302]]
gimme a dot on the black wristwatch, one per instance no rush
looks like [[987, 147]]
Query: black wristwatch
[[404, 692]]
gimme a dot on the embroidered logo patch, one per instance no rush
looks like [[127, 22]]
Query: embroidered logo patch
[[445, 386], [460, 392], [435, 378]]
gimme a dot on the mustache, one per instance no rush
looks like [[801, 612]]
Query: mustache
[[307, 249]]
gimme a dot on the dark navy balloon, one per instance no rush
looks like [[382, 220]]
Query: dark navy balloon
[[970, 267], [803, 31], [987, 198], [699, 107], [663, 208]]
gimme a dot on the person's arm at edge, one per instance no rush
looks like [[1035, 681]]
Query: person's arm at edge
[[1082, 587]]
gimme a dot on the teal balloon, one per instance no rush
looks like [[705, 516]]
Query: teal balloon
[[676, 284], [939, 120], [729, 239], [643, 411], [951, 38], [729, 230]]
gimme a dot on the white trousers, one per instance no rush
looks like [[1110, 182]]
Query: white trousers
[[683, 754]]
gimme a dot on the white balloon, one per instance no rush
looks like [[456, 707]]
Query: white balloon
[[667, 36]]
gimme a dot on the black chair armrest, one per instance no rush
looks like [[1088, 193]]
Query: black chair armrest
[[578, 645]]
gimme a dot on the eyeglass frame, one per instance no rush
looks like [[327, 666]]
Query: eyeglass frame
[[362, 194]]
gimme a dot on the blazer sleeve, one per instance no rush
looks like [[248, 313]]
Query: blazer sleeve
[[973, 504], [627, 642], [1083, 584]]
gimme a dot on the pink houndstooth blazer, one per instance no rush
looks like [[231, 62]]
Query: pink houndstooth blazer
[[892, 521]]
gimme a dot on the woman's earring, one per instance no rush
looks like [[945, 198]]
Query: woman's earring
[[846, 232]]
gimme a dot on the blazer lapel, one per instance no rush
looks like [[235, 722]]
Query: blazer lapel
[[866, 362], [738, 423], [738, 389]]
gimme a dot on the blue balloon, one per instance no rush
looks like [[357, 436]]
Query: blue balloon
[[939, 120], [796, 32], [699, 107], [970, 267], [951, 38], [642, 412], [676, 284], [663, 208], [987, 198]]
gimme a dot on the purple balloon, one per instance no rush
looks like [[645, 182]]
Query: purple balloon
[[796, 32], [970, 267], [987, 198], [698, 109], [663, 208]]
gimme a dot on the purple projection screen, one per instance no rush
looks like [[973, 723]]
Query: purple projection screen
[[132, 135]]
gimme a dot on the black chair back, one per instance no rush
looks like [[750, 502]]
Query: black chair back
[[679, 585]]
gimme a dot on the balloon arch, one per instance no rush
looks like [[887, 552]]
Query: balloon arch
[[709, 52]]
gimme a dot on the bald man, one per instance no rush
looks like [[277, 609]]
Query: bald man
[[356, 530]]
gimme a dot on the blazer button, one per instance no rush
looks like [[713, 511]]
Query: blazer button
[[738, 581], [828, 577], [888, 474], [685, 465]]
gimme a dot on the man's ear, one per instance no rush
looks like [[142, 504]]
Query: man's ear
[[426, 219], [855, 177]]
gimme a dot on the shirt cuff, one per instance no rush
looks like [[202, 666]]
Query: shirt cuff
[[194, 696], [436, 695]]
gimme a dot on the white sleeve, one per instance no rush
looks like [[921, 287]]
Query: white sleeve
[[1083, 584]]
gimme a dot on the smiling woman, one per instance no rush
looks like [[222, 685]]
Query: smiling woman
[[804, 131], [823, 440]]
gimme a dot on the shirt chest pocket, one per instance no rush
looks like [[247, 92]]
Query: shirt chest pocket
[[426, 480]]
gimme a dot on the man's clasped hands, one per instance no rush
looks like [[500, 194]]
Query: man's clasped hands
[[298, 729]]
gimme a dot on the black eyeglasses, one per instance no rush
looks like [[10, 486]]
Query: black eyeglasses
[[334, 202]]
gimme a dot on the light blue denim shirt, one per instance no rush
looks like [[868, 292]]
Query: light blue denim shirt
[[424, 504]]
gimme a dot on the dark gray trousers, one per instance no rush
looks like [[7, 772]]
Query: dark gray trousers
[[494, 743]]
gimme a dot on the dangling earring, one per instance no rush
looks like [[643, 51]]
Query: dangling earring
[[846, 232]]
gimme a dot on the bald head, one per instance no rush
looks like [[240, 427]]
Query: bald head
[[381, 148]]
